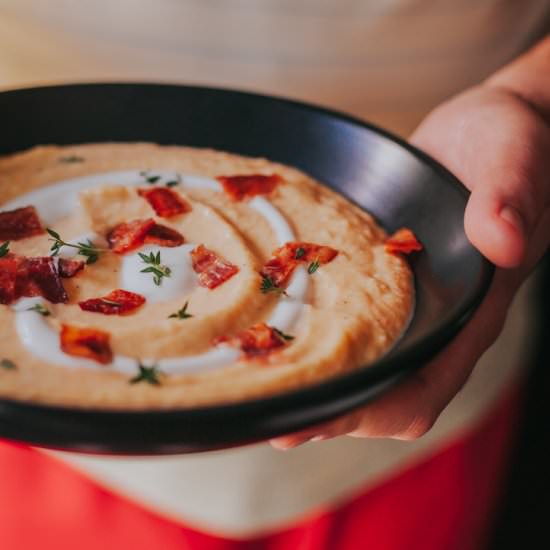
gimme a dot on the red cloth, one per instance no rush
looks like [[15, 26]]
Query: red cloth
[[442, 503]]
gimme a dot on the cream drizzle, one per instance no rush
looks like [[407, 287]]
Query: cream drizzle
[[57, 201]]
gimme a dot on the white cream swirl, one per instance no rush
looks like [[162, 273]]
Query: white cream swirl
[[56, 201]]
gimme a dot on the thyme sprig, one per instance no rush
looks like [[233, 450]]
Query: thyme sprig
[[268, 286], [158, 270], [8, 364], [150, 375], [4, 249], [181, 313], [41, 310], [87, 249]]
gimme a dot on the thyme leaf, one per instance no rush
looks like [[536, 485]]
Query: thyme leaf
[[181, 313], [41, 310], [268, 286], [8, 364], [150, 178], [150, 375], [313, 267], [4, 249], [300, 253], [283, 335], [71, 159]]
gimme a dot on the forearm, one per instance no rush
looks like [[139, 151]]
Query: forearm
[[528, 78]]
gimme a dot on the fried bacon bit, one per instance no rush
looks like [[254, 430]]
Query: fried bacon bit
[[286, 258], [8, 280], [165, 202], [126, 237], [259, 339], [402, 241], [212, 270], [69, 268], [116, 302], [39, 277], [164, 236], [245, 187], [88, 343], [28, 277], [20, 224]]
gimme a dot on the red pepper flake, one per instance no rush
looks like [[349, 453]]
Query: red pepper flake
[[259, 339], [165, 202], [68, 268], [129, 236], [403, 241], [116, 302], [212, 270], [20, 224], [8, 280], [286, 258], [245, 187], [87, 343]]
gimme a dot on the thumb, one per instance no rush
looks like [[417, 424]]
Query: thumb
[[498, 147]]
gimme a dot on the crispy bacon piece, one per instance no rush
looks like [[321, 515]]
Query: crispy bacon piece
[[8, 280], [20, 224], [286, 258], [39, 277], [68, 268], [259, 339], [245, 187], [212, 270], [116, 302], [128, 236], [165, 202], [164, 236], [28, 277], [403, 241], [88, 343]]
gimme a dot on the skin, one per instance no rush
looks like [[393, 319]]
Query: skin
[[496, 139]]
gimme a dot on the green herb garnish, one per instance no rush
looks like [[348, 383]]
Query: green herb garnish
[[72, 159], [41, 310], [300, 253], [313, 267], [268, 286], [8, 364], [150, 178], [4, 249], [87, 249], [158, 270], [283, 335], [150, 375], [182, 313], [174, 182]]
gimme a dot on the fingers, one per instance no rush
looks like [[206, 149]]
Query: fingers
[[497, 145]]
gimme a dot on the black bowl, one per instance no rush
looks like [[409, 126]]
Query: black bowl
[[400, 185]]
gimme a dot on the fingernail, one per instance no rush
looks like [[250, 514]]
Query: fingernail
[[318, 438], [513, 217]]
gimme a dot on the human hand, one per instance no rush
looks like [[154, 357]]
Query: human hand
[[498, 145]]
